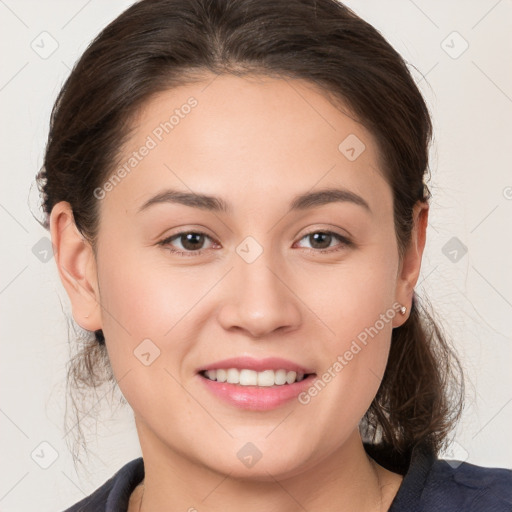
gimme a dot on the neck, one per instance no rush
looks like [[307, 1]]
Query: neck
[[343, 481]]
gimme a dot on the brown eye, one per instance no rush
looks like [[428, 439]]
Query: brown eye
[[322, 241], [190, 243]]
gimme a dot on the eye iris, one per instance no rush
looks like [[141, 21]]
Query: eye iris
[[192, 241], [316, 236]]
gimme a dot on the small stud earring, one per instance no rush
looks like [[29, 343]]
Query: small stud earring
[[403, 310]]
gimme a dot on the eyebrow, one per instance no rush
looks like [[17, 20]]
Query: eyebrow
[[217, 204]]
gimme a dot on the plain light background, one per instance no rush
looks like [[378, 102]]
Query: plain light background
[[469, 92]]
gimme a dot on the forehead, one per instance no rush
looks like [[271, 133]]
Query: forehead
[[249, 139]]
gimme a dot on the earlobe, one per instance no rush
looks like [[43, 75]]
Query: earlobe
[[410, 266], [76, 266]]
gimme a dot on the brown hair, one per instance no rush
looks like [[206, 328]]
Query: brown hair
[[157, 44]]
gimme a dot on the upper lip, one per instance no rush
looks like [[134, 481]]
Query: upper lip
[[258, 365]]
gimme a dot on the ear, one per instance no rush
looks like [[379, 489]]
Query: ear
[[76, 264], [410, 265]]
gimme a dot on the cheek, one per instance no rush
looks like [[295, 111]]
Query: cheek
[[354, 369], [359, 310], [145, 339], [146, 298], [150, 308], [135, 315], [359, 292]]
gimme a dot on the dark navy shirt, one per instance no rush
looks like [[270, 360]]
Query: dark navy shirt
[[429, 485]]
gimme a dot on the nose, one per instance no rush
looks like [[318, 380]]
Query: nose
[[260, 299]]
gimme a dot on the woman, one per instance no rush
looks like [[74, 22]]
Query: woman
[[236, 196]]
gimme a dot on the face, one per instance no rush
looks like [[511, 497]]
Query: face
[[271, 271]]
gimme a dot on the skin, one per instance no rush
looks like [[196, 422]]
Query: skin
[[257, 143]]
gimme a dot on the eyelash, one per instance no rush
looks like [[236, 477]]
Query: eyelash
[[345, 242]]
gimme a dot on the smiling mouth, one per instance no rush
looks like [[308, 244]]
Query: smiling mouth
[[246, 377]]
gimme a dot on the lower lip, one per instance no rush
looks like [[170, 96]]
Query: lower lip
[[256, 398]]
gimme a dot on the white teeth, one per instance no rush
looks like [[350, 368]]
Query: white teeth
[[266, 378], [245, 377], [233, 376], [290, 377], [211, 374], [280, 377], [248, 378]]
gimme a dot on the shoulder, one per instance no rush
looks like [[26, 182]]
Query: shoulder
[[431, 484], [454, 485], [114, 494]]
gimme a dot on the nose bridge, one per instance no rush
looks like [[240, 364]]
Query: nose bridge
[[259, 300]]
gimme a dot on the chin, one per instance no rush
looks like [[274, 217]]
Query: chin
[[263, 465]]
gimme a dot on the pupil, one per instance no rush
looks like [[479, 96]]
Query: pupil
[[193, 244], [316, 236]]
